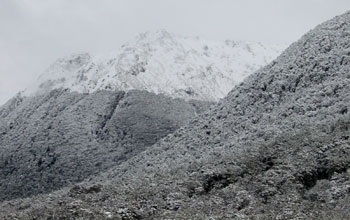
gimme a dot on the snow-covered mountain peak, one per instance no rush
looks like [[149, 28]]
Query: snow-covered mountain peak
[[161, 62]]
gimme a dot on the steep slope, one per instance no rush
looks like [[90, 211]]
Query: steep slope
[[277, 147], [183, 67], [53, 140]]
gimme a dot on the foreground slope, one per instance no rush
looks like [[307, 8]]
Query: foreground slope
[[277, 147], [162, 63]]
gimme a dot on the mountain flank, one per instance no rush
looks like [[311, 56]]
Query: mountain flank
[[51, 141]]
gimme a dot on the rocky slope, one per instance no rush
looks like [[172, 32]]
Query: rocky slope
[[277, 147], [162, 63], [53, 140]]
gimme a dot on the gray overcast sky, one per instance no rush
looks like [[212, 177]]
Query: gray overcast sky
[[33, 33]]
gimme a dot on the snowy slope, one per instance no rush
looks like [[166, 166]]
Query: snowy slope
[[161, 62]]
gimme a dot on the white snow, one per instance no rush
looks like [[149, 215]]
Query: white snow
[[161, 62]]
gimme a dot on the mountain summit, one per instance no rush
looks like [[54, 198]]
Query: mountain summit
[[163, 63]]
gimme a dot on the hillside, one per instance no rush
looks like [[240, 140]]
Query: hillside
[[54, 140]]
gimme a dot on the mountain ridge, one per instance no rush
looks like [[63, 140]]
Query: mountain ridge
[[162, 63]]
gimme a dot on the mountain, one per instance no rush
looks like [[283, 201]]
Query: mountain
[[276, 147], [87, 114], [162, 63]]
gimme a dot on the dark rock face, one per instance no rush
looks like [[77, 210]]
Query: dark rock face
[[51, 141]]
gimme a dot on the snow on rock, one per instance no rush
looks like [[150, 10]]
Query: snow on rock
[[161, 62]]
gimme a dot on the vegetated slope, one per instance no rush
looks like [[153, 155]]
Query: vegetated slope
[[53, 140], [277, 147], [162, 63]]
